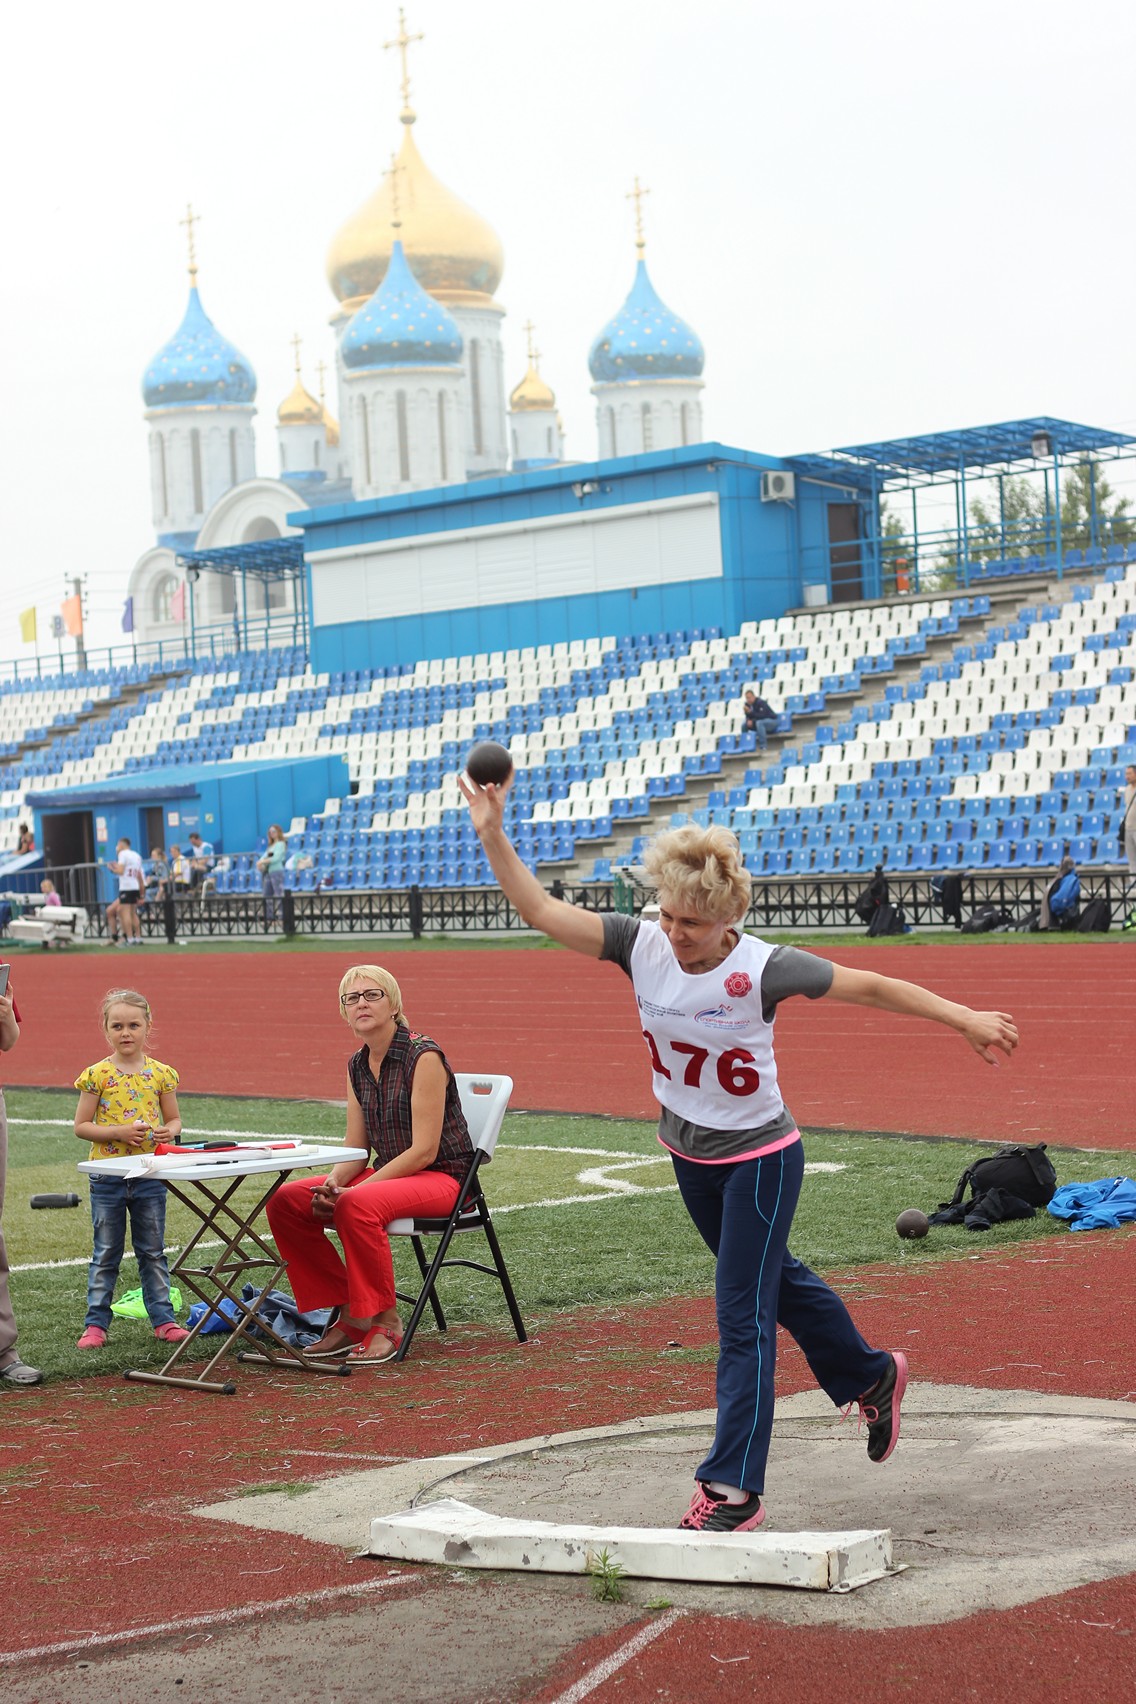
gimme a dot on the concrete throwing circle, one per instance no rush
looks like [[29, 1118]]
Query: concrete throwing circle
[[994, 1498]]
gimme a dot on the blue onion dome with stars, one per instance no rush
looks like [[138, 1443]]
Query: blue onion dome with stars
[[400, 325], [198, 366], [645, 340]]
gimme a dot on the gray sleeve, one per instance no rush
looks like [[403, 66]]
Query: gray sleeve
[[619, 938], [790, 971]]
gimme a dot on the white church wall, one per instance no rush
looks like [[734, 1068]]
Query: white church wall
[[483, 389]]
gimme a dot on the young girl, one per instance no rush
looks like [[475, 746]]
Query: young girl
[[127, 1104]]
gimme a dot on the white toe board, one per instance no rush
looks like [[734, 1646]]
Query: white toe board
[[455, 1533]]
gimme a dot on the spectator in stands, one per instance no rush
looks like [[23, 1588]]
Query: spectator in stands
[[158, 879], [758, 717], [180, 872], [25, 839], [123, 927], [200, 859], [1059, 902], [271, 867], [1128, 821]]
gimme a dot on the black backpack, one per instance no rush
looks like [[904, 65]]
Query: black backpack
[[1096, 917], [888, 920], [1018, 1173], [987, 917], [869, 900]]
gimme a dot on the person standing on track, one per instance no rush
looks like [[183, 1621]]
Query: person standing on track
[[707, 995]]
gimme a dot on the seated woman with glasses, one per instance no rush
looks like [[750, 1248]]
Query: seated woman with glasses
[[402, 1104]]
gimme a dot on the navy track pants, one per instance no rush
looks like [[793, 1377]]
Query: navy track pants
[[743, 1213]]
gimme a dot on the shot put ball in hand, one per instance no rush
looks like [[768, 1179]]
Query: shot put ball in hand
[[912, 1223], [489, 763]]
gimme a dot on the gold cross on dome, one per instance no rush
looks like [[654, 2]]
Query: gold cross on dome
[[636, 195], [321, 369], [402, 41], [297, 340], [392, 172], [190, 220], [528, 328]]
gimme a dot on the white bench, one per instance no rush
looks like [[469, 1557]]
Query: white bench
[[49, 924]]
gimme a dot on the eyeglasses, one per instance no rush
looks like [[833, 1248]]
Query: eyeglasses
[[370, 995]]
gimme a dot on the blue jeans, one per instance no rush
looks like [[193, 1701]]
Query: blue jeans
[[743, 1213], [762, 727], [143, 1200], [272, 886]]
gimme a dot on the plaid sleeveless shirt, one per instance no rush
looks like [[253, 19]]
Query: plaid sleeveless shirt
[[386, 1103]]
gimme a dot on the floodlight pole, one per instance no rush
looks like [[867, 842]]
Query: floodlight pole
[[1092, 502], [960, 498], [1057, 509]]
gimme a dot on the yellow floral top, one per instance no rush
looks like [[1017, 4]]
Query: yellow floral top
[[124, 1097]]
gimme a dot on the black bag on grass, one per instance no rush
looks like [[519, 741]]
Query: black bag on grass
[[987, 917], [1096, 918], [887, 920], [1001, 1185]]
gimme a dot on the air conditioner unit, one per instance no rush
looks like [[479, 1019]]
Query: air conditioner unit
[[778, 487]]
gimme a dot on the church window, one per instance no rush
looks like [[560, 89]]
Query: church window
[[164, 590], [228, 588], [612, 449], [475, 395], [403, 438], [685, 418], [648, 426], [442, 457], [234, 474], [195, 461], [365, 434], [161, 442], [548, 435], [315, 452], [283, 458]]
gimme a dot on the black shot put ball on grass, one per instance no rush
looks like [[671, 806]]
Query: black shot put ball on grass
[[488, 762], [912, 1223]]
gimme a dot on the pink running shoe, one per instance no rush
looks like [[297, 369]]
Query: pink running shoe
[[708, 1513], [880, 1408], [171, 1333], [94, 1337]]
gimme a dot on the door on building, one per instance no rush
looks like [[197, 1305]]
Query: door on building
[[69, 853], [845, 560], [153, 829]]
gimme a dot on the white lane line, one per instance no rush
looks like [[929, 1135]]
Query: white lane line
[[604, 1670], [212, 1618]]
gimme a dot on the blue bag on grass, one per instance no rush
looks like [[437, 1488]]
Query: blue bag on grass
[[222, 1320]]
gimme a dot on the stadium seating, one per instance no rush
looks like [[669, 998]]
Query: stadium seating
[[1001, 752]]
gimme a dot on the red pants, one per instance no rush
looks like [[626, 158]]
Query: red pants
[[364, 1279]]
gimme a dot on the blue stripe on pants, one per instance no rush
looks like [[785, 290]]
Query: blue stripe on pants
[[743, 1213]]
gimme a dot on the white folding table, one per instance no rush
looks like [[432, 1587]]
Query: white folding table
[[206, 1184]]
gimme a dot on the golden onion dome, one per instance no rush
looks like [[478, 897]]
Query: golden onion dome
[[299, 407], [532, 393], [454, 254]]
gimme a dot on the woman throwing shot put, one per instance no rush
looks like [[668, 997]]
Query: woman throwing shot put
[[707, 996]]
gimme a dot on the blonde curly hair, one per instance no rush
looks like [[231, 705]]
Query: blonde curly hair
[[701, 868]]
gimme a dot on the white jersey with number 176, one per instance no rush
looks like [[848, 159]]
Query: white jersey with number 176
[[711, 1049]]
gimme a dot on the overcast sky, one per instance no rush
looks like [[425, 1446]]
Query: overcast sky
[[881, 219]]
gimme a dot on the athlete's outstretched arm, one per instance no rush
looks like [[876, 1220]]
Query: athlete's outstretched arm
[[983, 1030], [569, 924]]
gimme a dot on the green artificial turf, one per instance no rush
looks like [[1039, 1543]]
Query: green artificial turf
[[561, 1253]]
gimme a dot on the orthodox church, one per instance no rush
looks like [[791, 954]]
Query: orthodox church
[[420, 393]]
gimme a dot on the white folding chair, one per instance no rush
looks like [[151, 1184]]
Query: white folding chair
[[484, 1101]]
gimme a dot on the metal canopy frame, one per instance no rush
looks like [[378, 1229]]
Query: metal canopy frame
[[1040, 444], [267, 560]]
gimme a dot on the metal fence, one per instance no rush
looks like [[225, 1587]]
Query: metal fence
[[794, 904]]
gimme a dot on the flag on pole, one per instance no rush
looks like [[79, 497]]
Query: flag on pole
[[177, 603], [57, 628], [28, 630], [128, 616], [71, 610]]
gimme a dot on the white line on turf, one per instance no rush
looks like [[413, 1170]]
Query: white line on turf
[[212, 1618], [610, 1665]]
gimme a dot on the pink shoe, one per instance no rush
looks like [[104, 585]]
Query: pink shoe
[[94, 1337], [171, 1333], [710, 1513]]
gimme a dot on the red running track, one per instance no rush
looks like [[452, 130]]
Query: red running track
[[564, 1028]]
